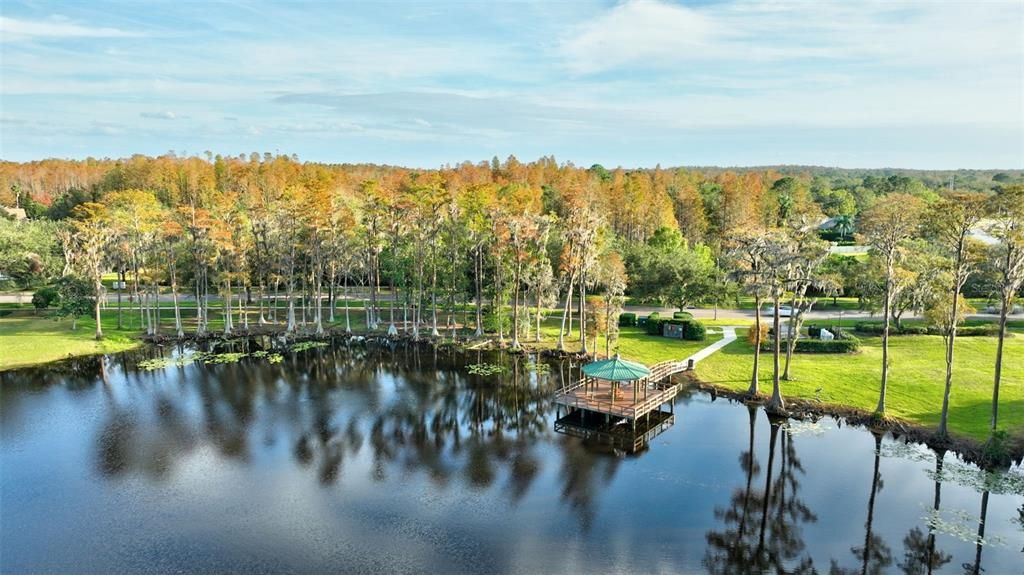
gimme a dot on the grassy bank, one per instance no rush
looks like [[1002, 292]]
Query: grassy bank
[[916, 379], [915, 390], [27, 340]]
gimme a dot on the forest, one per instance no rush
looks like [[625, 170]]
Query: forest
[[493, 248]]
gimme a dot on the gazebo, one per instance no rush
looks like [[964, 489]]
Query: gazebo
[[596, 390], [616, 371]]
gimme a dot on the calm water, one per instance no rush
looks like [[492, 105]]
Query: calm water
[[399, 461]]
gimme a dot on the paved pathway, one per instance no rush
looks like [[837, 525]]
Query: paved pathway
[[728, 336]]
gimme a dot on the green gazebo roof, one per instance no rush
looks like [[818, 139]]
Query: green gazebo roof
[[616, 369]]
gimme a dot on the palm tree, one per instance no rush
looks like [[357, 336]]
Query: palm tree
[[843, 225]]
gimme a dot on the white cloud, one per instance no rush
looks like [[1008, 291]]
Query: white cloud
[[656, 34], [13, 29], [166, 115]]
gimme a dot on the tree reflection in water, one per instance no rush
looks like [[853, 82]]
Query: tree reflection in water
[[920, 556], [874, 555], [762, 531], [415, 408]]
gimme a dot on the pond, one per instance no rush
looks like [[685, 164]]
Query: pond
[[378, 460]]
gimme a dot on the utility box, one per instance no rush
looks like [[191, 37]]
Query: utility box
[[675, 331]]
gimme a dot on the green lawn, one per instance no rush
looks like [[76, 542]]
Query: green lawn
[[26, 339], [633, 343], [916, 379]]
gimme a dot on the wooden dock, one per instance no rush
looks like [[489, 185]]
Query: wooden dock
[[630, 401]]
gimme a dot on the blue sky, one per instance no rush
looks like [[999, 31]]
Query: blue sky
[[891, 84]]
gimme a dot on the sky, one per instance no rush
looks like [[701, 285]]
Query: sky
[[930, 84]]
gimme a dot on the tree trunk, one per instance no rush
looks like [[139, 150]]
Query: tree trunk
[[999, 360], [348, 320], [565, 311], [98, 286], [583, 311], [753, 390], [227, 309], [776, 404], [950, 343], [515, 306], [174, 297], [119, 290], [536, 334], [792, 335], [880, 410], [479, 294], [433, 291]]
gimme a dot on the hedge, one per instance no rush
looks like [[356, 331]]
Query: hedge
[[693, 330], [627, 319], [964, 331], [682, 315], [843, 343]]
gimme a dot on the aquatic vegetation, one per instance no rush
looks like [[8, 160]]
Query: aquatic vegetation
[[307, 345], [998, 482], [486, 369], [230, 357], [268, 355], [955, 471], [206, 358], [960, 524], [538, 368], [797, 427]]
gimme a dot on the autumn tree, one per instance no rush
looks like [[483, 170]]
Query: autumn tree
[[91, 232], [611, 276], [951, 221], [886, 227], [1006, 209], [747, 252]]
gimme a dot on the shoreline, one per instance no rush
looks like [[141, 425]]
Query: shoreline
[[969, 449]]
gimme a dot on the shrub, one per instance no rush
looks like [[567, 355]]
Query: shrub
[[44, 298], [653, 316], [682, 315], [843, 343], [752, 333], [493, 320], [653, 325], [694, 330], [966, 331], [627, 319], [978, 330]]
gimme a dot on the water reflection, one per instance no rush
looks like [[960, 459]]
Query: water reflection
[[874, 554], [763, 527], [381, 433]]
